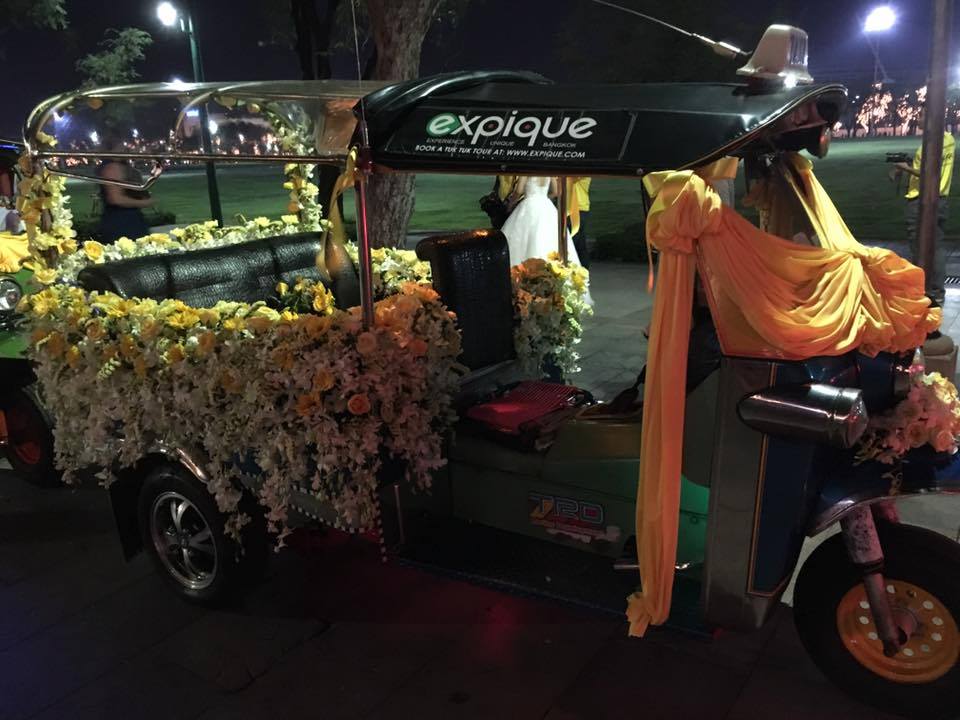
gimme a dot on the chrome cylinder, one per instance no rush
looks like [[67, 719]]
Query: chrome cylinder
[[817, 413]]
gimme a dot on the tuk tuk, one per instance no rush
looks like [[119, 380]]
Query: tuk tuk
[[210, 370]]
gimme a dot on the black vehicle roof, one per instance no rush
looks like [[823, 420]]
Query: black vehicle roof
[[640, 127]]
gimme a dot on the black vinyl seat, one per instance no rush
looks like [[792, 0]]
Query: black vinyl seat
[[471, 272], [245, 272]]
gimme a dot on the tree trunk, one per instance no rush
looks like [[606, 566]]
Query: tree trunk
[[399, 28]]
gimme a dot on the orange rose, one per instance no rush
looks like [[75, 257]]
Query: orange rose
[[366, 343], [323, 380], [417, 347], [358, 404]]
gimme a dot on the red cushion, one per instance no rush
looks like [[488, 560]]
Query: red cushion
[[527, 401]]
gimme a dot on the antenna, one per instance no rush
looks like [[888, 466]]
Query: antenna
[[364, 131], [721, 48]]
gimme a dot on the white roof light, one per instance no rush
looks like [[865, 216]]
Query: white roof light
[[781, 56]]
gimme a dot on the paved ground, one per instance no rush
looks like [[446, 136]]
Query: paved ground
[[334, 634]]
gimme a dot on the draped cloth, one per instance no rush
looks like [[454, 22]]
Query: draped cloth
[[771, 299]]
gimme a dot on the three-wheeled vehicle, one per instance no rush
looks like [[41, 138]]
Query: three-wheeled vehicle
[[26, 429], [767, 442]]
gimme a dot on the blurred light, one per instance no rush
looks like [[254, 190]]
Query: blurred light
[[57, 117], [167, 13], [880, 19], [135, 133], [212, 126], [177, 84], [193, 113], [94, 137], [789, 81]]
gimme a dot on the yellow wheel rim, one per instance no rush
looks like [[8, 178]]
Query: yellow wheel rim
[[929, 654]]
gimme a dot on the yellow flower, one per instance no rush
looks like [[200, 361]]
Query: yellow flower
[[320, 301], [289, 219], [259, 324], [178, 233], [149, 330], [358, 404], [282, 288], [210, 224], [315, 325], [253, 107], [366, 343], [176, 354], [288, 316], [234, 324], [128, 347], [93, 250], [68, 247], [261, 222], [45, 276], [323, 380], [126, 246], [206, 343]]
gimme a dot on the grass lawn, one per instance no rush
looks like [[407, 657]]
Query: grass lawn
[[854, 174]]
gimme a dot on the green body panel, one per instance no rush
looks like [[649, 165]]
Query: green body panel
[[13, 343], [579, 493]]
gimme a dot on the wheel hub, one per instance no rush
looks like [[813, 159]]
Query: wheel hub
[[183, 540], [930, 637]]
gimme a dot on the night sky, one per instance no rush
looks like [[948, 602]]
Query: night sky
[[519, 34]]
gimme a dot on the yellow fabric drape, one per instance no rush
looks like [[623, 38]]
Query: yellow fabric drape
[[772, 298], [346, 180], [13, 251], [573, 205]]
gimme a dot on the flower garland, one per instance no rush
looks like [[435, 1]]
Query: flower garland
[[43, 206], [929, 415], [307, 397], [392, 268]]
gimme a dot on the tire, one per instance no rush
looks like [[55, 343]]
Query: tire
[[200, 562], [30, 437], [923, 569]]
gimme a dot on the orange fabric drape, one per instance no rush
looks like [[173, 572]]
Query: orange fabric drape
[[773, 298]]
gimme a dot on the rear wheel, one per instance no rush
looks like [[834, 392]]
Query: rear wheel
[[922, 577], [183, 532], [30, 437]]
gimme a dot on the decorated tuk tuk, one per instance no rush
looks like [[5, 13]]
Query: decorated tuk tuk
[[231, 383]]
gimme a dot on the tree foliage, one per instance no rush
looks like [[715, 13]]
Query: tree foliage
[[117, 62], [43, 14]]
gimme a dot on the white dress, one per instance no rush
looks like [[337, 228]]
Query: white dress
[[531, 229]]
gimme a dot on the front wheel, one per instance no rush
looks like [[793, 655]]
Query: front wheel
[[832, 614], [30, 437], [183, 532]]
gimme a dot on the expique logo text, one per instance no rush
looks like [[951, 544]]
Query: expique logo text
[[527, 128]]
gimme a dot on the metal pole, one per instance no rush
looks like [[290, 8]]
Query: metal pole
[[933, 128], [562, 224], [363, 234], [213, 188]]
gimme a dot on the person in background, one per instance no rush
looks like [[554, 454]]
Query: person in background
[[581, 189], [935, 290], [122, 208], [505, 186]]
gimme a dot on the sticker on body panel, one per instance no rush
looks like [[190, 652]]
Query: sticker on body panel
[[578, 519]]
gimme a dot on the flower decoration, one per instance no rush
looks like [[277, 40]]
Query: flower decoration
[[929, 415]]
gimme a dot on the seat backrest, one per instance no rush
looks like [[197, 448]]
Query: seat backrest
[[247, 272], [471, 272]]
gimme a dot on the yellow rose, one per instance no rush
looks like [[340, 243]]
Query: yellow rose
[[259, 324], [261, 222], [176, 354], [320, 303], [95, 330], [289, 219], [93, 250], [358, 404], [282, 288], [288, 316], [234, 324], [208, 316], [56, 344], [68, 247], [126, 246], [178, 233], [323, 380], [366, 343], [140, 367]]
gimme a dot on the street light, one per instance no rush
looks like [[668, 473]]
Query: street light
[[170, 16], [880, 20]]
